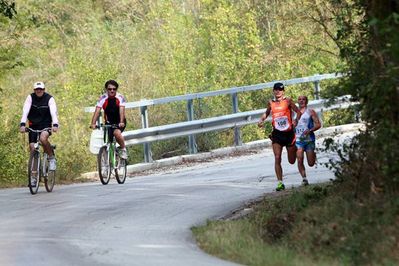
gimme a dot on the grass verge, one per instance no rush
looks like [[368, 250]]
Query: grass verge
[[315, 225]]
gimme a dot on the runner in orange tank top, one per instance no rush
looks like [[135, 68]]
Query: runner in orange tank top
[[283, 133]]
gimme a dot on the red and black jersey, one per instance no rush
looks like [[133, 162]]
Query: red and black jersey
[[111, 106]]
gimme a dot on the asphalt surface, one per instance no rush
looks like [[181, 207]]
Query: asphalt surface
[[145, 221]]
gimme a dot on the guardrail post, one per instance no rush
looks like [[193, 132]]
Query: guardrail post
[[144, 124], [316, 90], [237, 133], [192, 146]]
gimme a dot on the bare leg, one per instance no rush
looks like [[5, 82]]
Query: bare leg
[[31, 147], [300, 157], [291, 153], [277, 150], [46, 144], [311, 157], [119, 138]]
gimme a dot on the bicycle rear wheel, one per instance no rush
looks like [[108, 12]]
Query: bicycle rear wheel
[[34, 172], [120, 172], [104, 167]]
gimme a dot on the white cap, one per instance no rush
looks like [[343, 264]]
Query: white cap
[[38, 85]]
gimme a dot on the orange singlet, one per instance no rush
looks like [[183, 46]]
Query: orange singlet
[[281, 115]]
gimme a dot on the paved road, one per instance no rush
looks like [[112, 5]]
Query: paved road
[[146, 221]]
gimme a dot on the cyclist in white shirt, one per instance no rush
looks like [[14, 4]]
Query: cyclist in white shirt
[[308, 123], [41, 111]]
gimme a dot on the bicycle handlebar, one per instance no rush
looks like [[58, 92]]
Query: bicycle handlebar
[[108, 126], [38, 130]]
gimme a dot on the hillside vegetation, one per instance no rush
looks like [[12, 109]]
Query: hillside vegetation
[[153, 49], [355, 219]]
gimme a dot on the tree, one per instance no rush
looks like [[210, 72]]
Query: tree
[[369, 42]]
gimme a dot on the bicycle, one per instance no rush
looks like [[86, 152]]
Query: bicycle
[[38, 166], [109, 160]]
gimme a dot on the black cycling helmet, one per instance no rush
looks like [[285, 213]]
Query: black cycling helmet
[[278, 86]]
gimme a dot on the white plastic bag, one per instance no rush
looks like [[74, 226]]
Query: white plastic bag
[[96, 140]]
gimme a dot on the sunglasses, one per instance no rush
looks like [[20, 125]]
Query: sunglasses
[[39, 89], [112, 89], [279, 89]]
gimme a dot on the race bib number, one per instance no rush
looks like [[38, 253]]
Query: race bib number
[[281, 123], [299, 130]]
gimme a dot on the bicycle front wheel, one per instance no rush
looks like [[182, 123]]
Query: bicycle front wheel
[[121, 170], [49, 176], [49, 181], [104, 167], [34, 172]]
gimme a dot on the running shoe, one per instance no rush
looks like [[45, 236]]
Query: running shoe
[[305, 182], [280, 186]]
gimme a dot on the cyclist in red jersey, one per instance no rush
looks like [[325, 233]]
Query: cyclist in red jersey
[[283, 133], [113, 104]]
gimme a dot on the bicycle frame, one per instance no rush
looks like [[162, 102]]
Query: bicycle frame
[[37, 145], [109, 161], [38, 163], [111, 145]]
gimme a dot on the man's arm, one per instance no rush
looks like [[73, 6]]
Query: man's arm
[[265, 115], [297, 111], [95, 117], [25, 113], [53, 112], [316, 121], [122, 116]]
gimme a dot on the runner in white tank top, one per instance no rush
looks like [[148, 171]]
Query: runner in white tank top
[[305, 123], [305, 138]]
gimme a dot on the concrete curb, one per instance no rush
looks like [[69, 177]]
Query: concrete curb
[[254, 145]]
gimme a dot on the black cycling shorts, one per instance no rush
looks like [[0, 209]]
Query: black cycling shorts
[[33, 135], [284, 138], [111, 131]]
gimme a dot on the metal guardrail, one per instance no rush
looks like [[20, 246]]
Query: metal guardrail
[[193, 96], [148, 134], [140, 136]]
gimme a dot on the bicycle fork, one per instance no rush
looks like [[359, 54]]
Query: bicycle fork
[[45, 164], [112, 157], [36, 165]]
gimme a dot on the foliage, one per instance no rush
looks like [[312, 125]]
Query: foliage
[[368, 41], [315, 225]]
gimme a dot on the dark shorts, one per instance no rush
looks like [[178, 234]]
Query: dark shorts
[[33, 135], [284, 138], [111, 131]]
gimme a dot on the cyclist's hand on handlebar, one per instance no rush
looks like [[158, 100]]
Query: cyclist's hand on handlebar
[[22, 129], [93, 126], [121, 125], [54, 129]]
